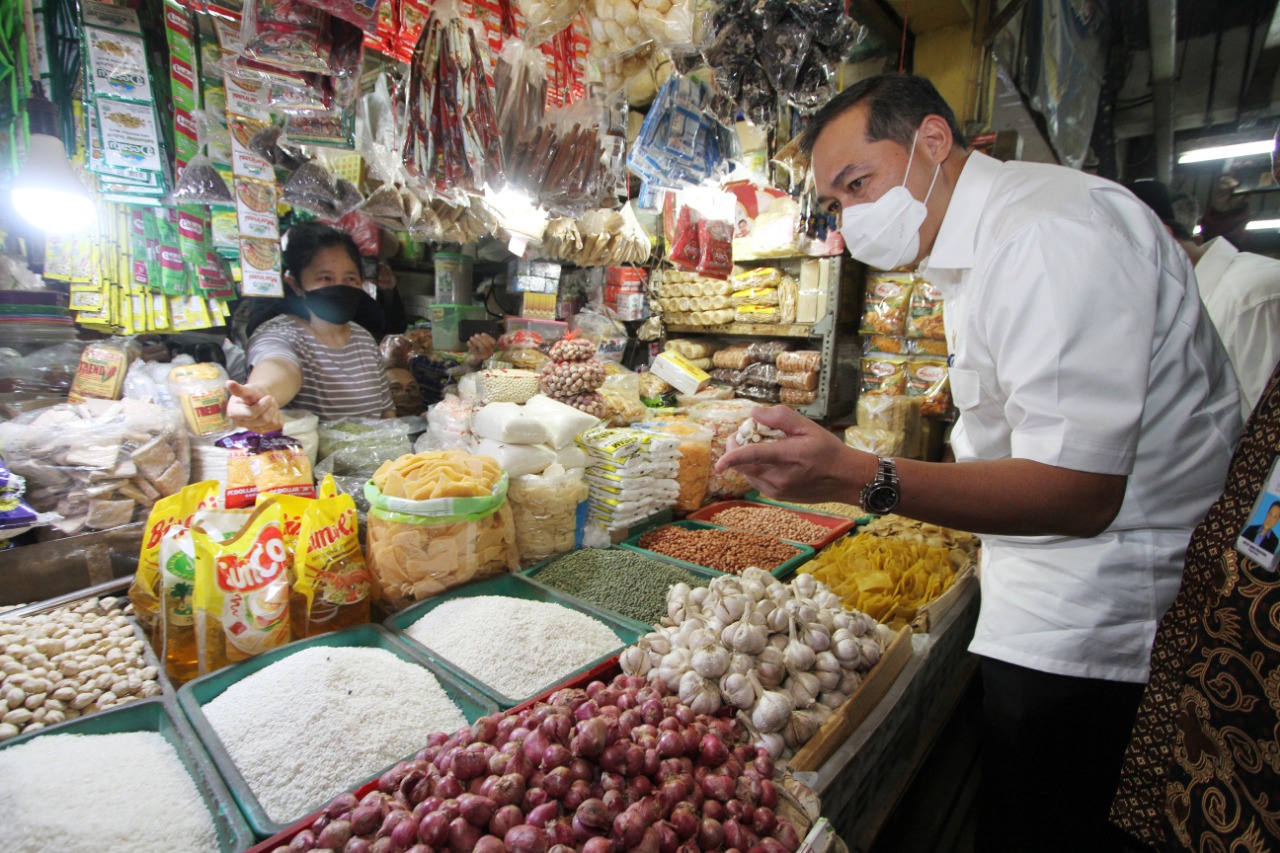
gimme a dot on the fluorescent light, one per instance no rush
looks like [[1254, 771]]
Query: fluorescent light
[[1195, 232], [1263, 225], [1226, 152]]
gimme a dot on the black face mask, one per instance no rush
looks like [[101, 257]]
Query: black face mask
[[336, 304]]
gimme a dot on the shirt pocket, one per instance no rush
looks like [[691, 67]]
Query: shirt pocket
[[965, 387]]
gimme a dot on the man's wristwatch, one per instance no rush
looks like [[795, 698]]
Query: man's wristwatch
[[881, 495]]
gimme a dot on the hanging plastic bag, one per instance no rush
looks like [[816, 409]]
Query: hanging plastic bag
[[520, 83]]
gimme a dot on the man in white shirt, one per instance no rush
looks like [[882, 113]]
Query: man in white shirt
[[1097, 419], [1241, 292]]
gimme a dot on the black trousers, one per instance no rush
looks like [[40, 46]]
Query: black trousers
[[1051, 755]]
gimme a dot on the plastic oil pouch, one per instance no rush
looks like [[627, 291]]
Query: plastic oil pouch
[[175, 638], [331, 583], [174, 511], [241, 591]]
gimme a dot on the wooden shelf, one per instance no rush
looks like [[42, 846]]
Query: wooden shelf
[[763, 330]]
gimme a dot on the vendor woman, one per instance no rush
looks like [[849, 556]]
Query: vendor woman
[[313, 357]]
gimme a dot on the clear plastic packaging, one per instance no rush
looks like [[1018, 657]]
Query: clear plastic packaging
[[735, 357], [881, 442], [796, 397], [695, 460], [762, 393], [767, 351], [363, 13], [723, 419], [201, 393], [799, 361], [885, 375], [802, 381], [544, 508], [520, 84], [761, 375], [287, 34], [544, 18], [200, 183], [97, 464]]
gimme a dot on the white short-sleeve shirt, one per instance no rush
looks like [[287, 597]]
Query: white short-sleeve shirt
[[1078, 340]]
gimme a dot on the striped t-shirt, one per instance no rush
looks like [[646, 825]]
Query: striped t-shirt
[[341, 382]]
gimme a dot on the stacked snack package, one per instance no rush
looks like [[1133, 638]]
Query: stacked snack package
[[798, 376], [904, 347], [687, 298], [631, 474]]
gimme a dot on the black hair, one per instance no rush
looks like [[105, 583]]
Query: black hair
[[304, 240], [1274, 504], [898, 103]]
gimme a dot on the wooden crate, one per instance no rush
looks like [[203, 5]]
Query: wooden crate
[[928, 616], [850, 715]]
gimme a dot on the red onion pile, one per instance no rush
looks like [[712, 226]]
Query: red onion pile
[[615, 767]]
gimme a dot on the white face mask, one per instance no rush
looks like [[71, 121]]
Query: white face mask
[[885, 233]]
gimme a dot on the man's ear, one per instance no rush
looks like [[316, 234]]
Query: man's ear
[[936, 134]]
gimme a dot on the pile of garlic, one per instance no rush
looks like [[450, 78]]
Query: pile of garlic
[[784, 655]]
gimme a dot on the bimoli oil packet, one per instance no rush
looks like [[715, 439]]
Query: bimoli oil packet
[[331, 590], [176, 636], [241, 591], [293, 507], [166, 513]]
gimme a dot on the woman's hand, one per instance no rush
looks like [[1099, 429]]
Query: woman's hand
[[480, 348], [809, 465], [251, 407]]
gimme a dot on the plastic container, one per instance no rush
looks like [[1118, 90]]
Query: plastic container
[[695, 459], [512, 586], [445, 321], [532, 576], [550, 330], [781, 571], [194, 695], [156, 715], [838, 526], [453, 277], [723, 417]]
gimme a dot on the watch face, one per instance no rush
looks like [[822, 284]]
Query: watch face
[[881, 499]]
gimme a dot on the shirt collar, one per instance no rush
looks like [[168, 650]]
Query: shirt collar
[[1218, 255], [953, 249]]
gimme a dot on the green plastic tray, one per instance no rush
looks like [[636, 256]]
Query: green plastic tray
[[779, 572], [157, 715], [531, 575], [514, 586], [201, 691]]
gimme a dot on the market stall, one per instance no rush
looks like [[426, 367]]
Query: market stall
[[515, 607]]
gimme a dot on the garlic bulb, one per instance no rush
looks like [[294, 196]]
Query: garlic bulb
[[805, 584], [777, 620], [698, 693], [710, 660], [801, 726], [774, 743], [778, 641], [846, 647], [729, 608], [827, 679], [804, 688], [850, 682], [870, 651], [798, 656], [660, 643], [827, 662], [699, 595], [738, 690], [753, 589], [771, 667], [746, 638], [771, 711], [823, 713], [673, 667], [739, 662], [815, 636], [634, 660], [832, 699]]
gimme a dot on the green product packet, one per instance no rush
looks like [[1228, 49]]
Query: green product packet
[[173, 272]]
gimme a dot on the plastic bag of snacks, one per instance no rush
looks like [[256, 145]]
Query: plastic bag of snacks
[[886, 375], [695, 460], [331, 587], [887, 304], [286, 34], [102, 369], [801, 360], [925, 320], [545, 511], [263, 463], [723, 419], [98, 464], [241, 595], [927, 381], [436, 521], [16, 517]]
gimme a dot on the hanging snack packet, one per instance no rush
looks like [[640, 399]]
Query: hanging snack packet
[[168, 512], [925, 320], [685, 246], [887, 303], [884, 375], [286, 34], [241, 591], [927, 380], [268, 463], [363, 13], [331, 588], [101, 372], [715, 248]]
